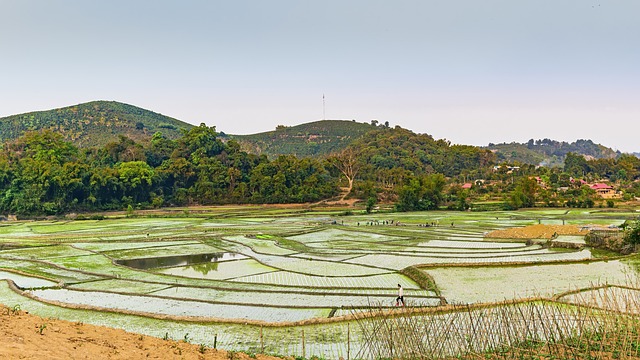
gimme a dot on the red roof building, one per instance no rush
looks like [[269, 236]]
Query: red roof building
[[600, 186], [605, 191]]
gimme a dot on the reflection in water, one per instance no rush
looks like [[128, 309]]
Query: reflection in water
[[201, 262], [205, 268]]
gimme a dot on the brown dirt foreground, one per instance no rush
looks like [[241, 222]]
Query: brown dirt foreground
[[26, 336]]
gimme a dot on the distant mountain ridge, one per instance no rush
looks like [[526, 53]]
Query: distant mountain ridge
[[94, 124], [549, 152], [97, 123], [316, 138]]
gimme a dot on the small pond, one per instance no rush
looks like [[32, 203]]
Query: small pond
[[182, 260]]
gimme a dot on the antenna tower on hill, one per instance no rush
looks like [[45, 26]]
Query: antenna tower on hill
[[323, 113]]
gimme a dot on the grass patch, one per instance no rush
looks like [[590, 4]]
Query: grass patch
[[424, 280]]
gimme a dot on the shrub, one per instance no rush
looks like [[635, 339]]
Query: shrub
[[632, 233]]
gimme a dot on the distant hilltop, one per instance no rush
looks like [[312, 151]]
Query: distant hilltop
[[549, 152], [94, 124], [311, 139], [97, 123]]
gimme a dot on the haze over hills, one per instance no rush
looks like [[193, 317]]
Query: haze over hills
[[94, 123]]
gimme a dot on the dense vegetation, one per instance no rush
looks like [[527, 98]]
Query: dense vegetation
[[632, 233], [416, 172], [93, 124], [317, 138], [397, 164], [43, 172], [549, 152]]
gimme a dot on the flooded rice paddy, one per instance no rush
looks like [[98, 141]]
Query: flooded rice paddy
[[467, 285], [271, 267], [180, 260]]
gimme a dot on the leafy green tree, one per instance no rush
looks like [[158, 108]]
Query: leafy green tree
[[421, 193], [105, 188], [125, 149], [632, 233], [461, 200], [43, 181], [576, 165], [199, 142], [137, 178], [371, 202], [524, 194], [159, 150], [628, 167]]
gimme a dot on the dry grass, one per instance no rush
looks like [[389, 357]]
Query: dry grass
[[517, 330]]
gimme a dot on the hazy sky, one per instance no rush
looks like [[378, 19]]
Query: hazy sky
[[472, 71]]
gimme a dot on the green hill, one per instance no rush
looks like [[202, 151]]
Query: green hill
[[310, 139], [549, 152], [94, 124]]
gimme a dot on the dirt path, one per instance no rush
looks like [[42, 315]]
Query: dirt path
[[26, 336]]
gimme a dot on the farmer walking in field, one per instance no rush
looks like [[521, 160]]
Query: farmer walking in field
[[400, 298]]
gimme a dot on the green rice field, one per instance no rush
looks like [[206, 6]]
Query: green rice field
[[232, 272]]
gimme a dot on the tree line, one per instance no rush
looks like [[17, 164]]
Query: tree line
[[42, 174]]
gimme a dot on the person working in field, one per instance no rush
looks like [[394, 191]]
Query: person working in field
[[400, 298]]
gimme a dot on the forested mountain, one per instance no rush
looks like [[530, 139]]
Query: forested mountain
[[549, 152], [311, 139], [139, 159], [400, 164], [94, 124]]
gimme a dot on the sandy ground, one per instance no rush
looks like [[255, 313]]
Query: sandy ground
[[25, 336], [537, 232]]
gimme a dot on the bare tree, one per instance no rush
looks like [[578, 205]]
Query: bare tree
[[347, 162]]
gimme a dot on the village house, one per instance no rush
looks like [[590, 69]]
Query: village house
[[605, 191], [581, 181]]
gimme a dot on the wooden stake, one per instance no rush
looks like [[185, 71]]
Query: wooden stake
[[261, 341], [348, 341]]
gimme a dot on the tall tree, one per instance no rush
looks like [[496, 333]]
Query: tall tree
[[348, 163], [136, 177], [421, 193], [524, 195]]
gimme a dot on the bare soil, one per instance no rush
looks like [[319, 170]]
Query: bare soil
[[540, 231], [26, 336]]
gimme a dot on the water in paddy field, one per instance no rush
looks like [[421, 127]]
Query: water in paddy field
[[25, 282], [464, 285], [182, 260]]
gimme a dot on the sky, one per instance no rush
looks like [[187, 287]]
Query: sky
[[470, 71]]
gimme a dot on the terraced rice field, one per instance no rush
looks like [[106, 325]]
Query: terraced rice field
[[238, 269]]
